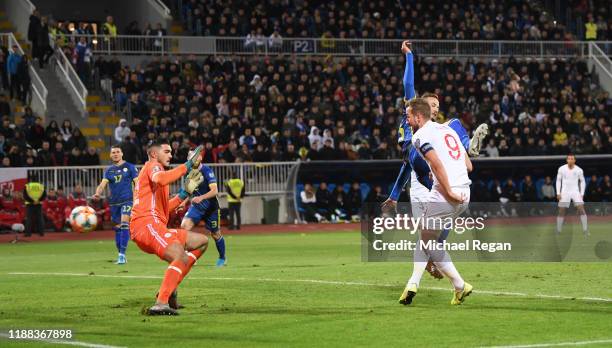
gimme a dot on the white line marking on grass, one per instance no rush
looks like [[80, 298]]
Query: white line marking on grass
[[318, 281], [54, 341], [561, 344]]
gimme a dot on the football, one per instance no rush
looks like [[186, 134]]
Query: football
[[83, 219]]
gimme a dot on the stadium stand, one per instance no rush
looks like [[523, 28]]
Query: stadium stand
[[457, 20]]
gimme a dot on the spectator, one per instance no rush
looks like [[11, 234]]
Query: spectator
[[590, 29], [325, 202], [58, 157], [91, 157], [548, 190], [122, 130], [308, 202], [23, 76], [33, 28], [66, 130], [491, 150], [606, 189], [593, 190], [75, 159], [529, 193], [44, 156], [33, 194], [44, 49], [12, 66], [77, 140], [354, 201]]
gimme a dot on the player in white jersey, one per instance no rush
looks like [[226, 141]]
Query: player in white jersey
[[439, 145], [570, 188]]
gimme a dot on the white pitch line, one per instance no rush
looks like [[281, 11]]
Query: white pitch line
[[560, 344], [65, 342], [318, 281]]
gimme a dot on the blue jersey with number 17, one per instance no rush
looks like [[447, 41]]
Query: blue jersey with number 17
[[120, 180]]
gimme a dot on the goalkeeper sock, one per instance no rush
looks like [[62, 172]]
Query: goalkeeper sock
[[220, 243], [125, 237], [194, 255], [559, 223], [420, 262], [583, 220], [117, 230], [171, 280]]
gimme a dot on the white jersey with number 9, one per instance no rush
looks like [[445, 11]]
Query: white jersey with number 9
[[445, 141]]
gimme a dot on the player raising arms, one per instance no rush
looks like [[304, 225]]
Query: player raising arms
[[119, 177], [439, 145], [205, 206], [570, 187], [148, 226]]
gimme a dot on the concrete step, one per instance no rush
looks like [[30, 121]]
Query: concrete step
[[90, 131], [99, 108], [93, 99], [97, 143]]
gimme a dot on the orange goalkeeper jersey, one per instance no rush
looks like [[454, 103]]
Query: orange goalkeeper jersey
[[152, 199]]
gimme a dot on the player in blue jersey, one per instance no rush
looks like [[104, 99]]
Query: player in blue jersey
[[205, 207], [119, 177]]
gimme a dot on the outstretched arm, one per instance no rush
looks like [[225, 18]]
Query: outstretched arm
[[169, 176], [409, 92]]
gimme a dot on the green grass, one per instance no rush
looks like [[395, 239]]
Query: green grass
[[263, 298]]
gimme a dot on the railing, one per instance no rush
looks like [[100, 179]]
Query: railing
[[603, 64], [38, 90], [160, 7], [259, 178], [66, 73], [187, 45]]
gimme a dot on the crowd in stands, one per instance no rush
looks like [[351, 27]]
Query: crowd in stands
[[268, 109], [379, 19], [31, 144]]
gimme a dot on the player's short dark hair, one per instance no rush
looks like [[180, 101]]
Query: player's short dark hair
[[570, 154], [420, 106], [116, 146], [157, 143], [430, 95]]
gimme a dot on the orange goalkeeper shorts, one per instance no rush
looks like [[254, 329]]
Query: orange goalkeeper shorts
[[153, 237]]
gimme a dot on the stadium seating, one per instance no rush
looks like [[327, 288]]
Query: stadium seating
[[354, 101], [383, 19]]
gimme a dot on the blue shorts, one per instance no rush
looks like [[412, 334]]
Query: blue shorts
[[120, 209], [210, 214]]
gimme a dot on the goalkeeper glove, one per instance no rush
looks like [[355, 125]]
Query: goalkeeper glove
[[182, 194], [194, 158], [194, 179]]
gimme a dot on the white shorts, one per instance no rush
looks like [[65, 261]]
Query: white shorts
[[568, 197], [437, 207], [417, 201]]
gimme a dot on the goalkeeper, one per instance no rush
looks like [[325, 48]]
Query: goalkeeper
[[148, 225]]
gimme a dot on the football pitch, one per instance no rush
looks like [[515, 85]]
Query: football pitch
[[297, 289]]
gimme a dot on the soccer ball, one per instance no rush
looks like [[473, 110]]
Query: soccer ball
[[83, 219]]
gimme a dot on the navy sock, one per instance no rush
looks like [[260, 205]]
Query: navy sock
[[125, 237], [220, 243], [443, 236], [117, 237]]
